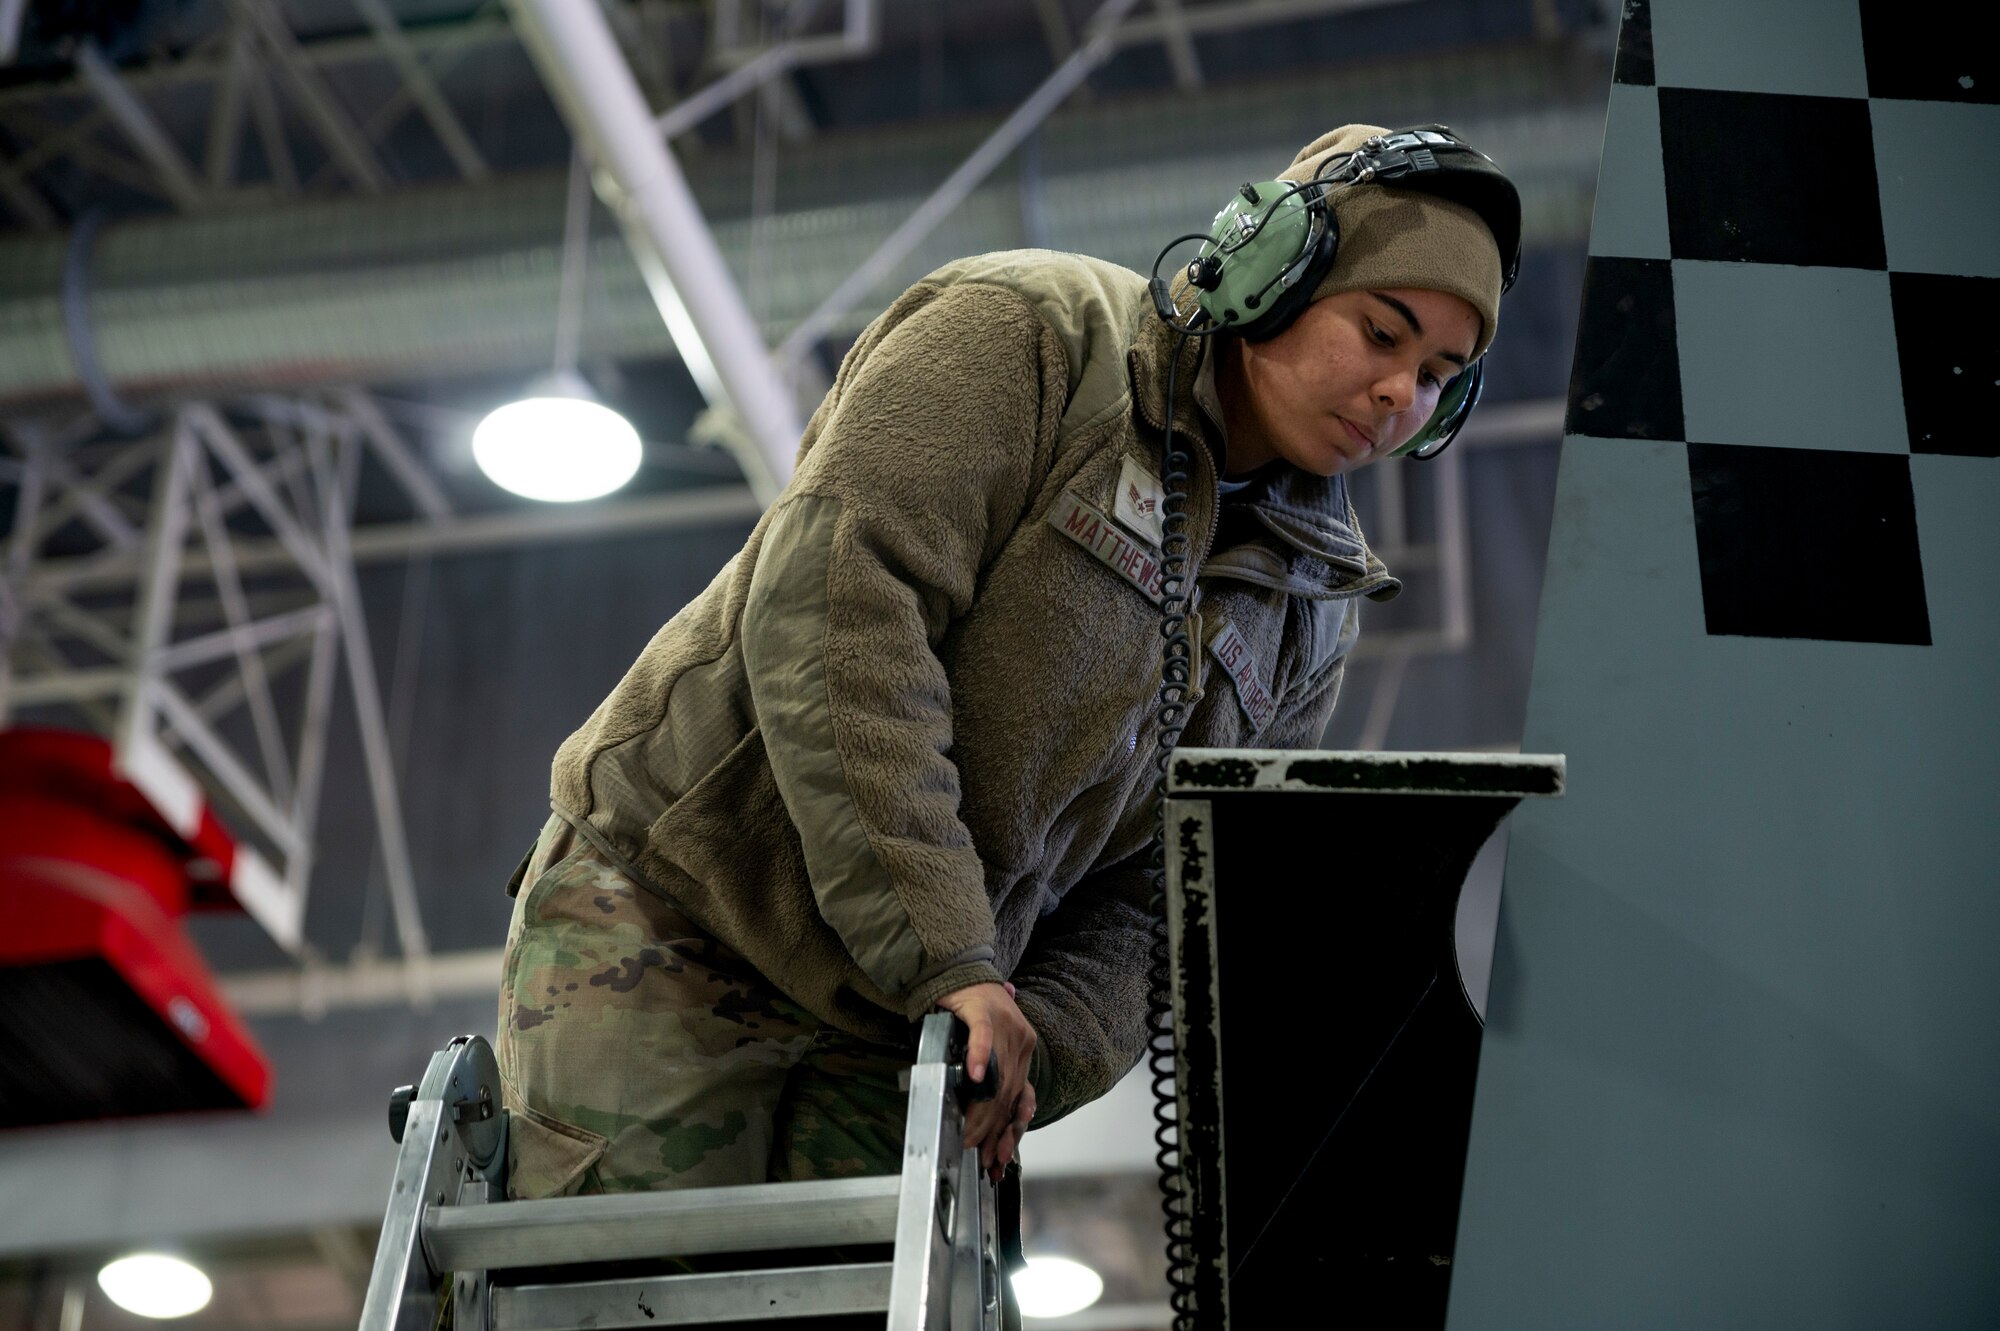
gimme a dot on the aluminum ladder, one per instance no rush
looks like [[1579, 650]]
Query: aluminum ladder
[[454, 1252]]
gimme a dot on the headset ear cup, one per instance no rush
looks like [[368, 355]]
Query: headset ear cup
[[1453, 410], [1286, 309]]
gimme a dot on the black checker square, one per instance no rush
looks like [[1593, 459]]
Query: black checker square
[[1634, 62], [1769, 178], [1948, 350], [1931, 54], [1808, 543], [1625, 382]]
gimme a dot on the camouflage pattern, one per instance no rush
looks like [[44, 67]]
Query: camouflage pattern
[[637, 1052]]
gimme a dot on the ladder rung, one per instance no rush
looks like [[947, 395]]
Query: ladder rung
[[734, 1296], [564, 1230]]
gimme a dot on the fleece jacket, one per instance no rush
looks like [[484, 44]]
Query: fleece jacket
[[903, 742]]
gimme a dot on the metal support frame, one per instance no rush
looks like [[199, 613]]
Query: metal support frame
[[13, 13], [899, 244], [217, 477], [579, 59], [423, 89], [224, 140], [342, 137], [176, 177], [1180, 46], [860, 30], [1108, 30]]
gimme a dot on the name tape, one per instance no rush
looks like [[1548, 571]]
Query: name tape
[[1138, 564]]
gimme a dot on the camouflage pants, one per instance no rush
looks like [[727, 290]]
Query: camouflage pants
[[637, 1052]]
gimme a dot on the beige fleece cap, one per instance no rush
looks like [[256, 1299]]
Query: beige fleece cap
[[1404, 238]]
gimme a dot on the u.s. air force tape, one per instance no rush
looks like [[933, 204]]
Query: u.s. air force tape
[[1236, 660]]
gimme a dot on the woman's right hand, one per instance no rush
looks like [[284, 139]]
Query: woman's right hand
[[999, 1030]]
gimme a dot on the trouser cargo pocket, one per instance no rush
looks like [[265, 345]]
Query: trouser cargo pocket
[[548, 1158]]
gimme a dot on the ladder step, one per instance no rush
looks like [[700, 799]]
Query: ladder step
[[564, 1230], [734, 1296]]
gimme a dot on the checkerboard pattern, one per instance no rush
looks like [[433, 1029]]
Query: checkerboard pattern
[[1738, 1066], [1795, 269]]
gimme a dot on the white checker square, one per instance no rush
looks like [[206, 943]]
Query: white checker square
[[1937, 166], [1629, 220], [1791, 357], [1956, 498], [1805, 47]]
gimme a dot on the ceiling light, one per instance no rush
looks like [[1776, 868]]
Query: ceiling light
[[558, 444], [1056, 1287], [153, 1284]]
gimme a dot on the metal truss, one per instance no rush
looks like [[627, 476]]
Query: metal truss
[[178, 632], [148, 627]]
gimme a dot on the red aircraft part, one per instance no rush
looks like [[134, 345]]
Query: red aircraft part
[[79, 769], [106, 1009]]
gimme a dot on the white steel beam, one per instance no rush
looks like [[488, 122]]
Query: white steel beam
[[62, 682], [271, 134], [707, 507], [444, 57], [1104, 27], [22, 198], [84, 626], [176, 177], [1180, 46], [860, 31], [395, 453], [252, 634], [336, 478], [315, 98], [1055, 29], [1236, 17], [21, 545], [313, 989], [92, 503], [227, 693], [229, 771], [222, 441], [103, 480], [696, 294], [225, 114], [314, 725], [12, 14], [424, 90], [236, 611], [152, 618]]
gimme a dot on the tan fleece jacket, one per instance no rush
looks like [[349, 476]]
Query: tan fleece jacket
[[903, 742]]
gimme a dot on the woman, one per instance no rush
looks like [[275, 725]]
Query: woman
[[897, 756]]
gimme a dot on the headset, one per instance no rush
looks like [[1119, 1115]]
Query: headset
[[1259, 264], [1267, 249]]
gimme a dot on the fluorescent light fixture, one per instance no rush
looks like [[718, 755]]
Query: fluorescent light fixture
[[558, 444], [1056, 1287], [153, 1284]]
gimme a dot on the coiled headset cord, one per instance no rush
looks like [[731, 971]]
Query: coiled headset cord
[[1176, 677]]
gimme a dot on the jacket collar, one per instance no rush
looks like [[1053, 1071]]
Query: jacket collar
[[1312, 515]]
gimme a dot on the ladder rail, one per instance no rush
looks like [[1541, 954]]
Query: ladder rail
[[402, 1289]]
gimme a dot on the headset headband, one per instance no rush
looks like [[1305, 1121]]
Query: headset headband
[[1268, 248]]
